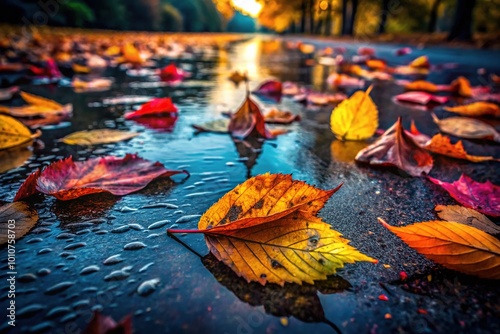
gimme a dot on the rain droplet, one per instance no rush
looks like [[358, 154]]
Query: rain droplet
[[158, 224], [146, 288], [204, 193], [58, 311], [187, 218], [121, 229], [29, 311], [65, 235], [34, 240], [160, 205], [113, 260], [117, 275], [75, 246], [26, 278], [43, 327], [45, 251], [134, 245], [136, 227], [60, 287], [89, 270], [145, 267], [43, 272], [39, 230], [68, 317], [127, 209]]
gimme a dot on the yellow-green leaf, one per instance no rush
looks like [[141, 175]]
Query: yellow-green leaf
[[355, 118], [95, 137]]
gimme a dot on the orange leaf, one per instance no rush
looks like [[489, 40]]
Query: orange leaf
[[461, 86], [422, 85], [420, 62], [248, 120], [453, 245], [476, 109], [441, 144], [266, 230]]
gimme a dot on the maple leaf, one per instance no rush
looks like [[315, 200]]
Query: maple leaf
[[248, 120], [172, 73], [397, 148], [467, 216], [156, 107], [25, 218], [467, 128], [272, 88], [95, 137], [422, 98], [101, 324], [483, 197], [355, 118], [476, 109], [442, 145], [13, 133], [66, 179], [453, 245], [266, 230]]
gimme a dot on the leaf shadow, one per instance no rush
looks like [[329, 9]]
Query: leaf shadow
[[292, 300], [249, 151]]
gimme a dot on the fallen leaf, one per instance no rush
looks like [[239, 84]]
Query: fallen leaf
[[275, 116], [366, 51], [455, 246], [156, 107], [420, 62], [67, 179], [419, 138], [98, 84], [470, 217], [342, 80], [421, 98], [467, 128], [495, 78], [101, 324], [237, 77], [403, 51], [397, 148], [95, 137], [166, 123], [266, 230], [422, 85], [37, 106], [442, 145], [269, 87], [476, 109], [461, 86], [322, 99], [16, 219], [483, 197], [248, 120], [13, 157], [132, 55], [81, 69], [172, 73], [355, 118], [216, 126], [376, 64], [369, 75], [14, 133], [7, 93]]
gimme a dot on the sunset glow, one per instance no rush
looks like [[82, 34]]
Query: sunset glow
[[250, 7]]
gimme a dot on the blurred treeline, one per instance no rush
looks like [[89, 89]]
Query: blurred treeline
[[322, 17]]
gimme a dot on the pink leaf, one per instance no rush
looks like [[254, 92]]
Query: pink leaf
[[421, 98], [269, 87], [483, 197]]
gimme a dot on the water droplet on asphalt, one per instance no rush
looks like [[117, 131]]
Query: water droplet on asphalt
[[89, 270], [145, 267], [187, 218], [113, 260], [158, 224], [26, 278], [136, 227], [127, 209], [29, 311], [60, 287], [45, 251], [146, 288], [75, 246], [134, 245], [58, 311], [121, 229]]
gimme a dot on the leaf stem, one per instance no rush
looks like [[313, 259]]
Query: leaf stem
[[173, 231]]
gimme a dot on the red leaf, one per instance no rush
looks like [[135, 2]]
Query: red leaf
[[157, 123], [101, 324], [159, 106], [269, 87], [28, 187], [403, 51], [366, 51], [483, 197], [396, 147], [248, 120], [172, 73], [66, 179], [421, 98]]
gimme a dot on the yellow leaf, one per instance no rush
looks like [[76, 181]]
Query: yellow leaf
[[442, 145], [112, 51], [80, 69], [476, 109], [467, 216], [37, 106], [14, 157], [20, 212], [355, 118], [94, 137], [453, 245], [266, 230], [40, 101], [13, 133], [422, 85], [131, 54], [420, 62]]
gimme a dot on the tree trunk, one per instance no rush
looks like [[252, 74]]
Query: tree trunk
[[311, 16], [344, 16], [433, 18], [462, 23], [352, 19], [303, 7], [383, 16]]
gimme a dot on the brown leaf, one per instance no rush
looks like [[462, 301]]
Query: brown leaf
[[467, 128], [16, 219], [467, 216], [397, 148]]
